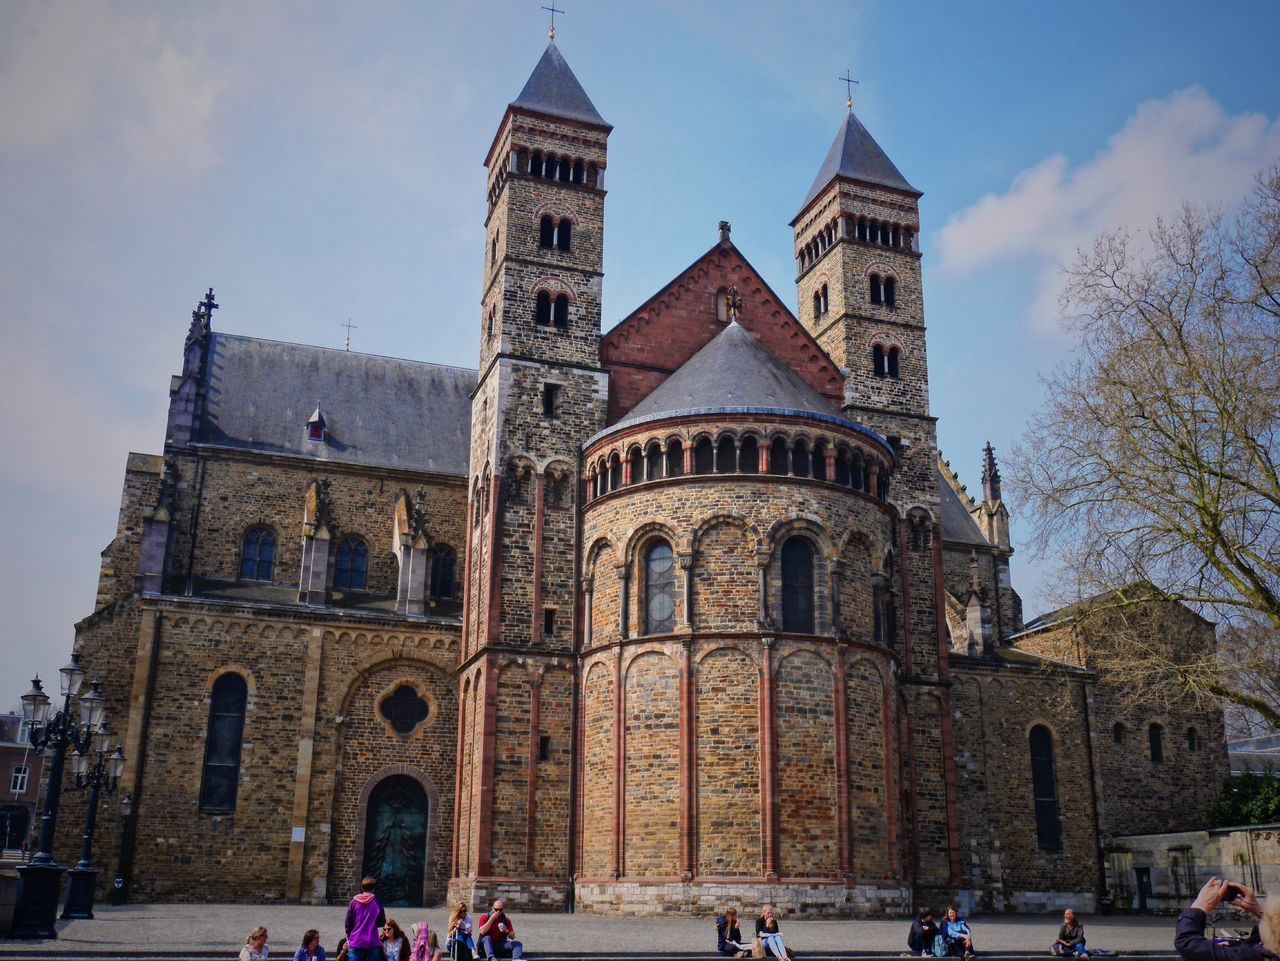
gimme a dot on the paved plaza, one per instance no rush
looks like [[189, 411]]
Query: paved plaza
[[194, 930]]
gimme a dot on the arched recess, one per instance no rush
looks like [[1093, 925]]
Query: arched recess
[[780, 579], [728, 764], [601, 571], [508, 828], [868, 730], [857, 612], [597, 769], [723, 598], [808, 844], [382, 846], [652, 749]]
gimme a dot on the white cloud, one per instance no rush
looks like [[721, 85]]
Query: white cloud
[[1183, 147]]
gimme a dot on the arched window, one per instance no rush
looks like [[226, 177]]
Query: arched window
[[1155, 735], [890, 292], [258, 559], [579, 171], [549, 167], [878, 364], [704, 456], [1045, 789], [222, 744], [566, 170], [1193, 740], [862, 229], [352, 572], [659, 589], [675, 459], [875, 289], [817, 304], [542, 313], [826, 304], [820, 460], [546, 232], [615, 472], [726, 456], [593, 174], [797, 585], [1117, 733], [535, 163], [493, 249], [522, 160], [842, 468], [562, 311], [779, 462], [653, 462], [800, 459], [564, 235], [749, 456], [444, 565], [892, 358], [636, 460], [722, 306]]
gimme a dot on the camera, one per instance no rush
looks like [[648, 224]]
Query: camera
[[1232, 894]]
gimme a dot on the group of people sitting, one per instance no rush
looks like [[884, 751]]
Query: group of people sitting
[[951, 938]]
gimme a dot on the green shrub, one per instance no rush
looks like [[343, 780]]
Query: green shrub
[[1248, 798]]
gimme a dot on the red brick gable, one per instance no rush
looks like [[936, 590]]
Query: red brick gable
[[679, 320]]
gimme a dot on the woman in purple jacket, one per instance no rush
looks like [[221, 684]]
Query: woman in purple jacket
[[1262, 944]]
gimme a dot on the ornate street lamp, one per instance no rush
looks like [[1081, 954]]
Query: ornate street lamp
[[40, 880], [96, 771]]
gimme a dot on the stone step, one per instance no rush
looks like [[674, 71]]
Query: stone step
[[46, 951]]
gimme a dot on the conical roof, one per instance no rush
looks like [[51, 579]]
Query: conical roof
[[553, 89], [855, 155], [733, 371]]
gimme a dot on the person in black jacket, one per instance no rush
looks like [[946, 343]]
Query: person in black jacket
[[729, 935], [923, 931], [1191, 943]]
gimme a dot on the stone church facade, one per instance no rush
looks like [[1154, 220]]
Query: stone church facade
[[684, 613]]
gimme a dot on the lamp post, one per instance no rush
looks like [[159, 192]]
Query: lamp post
[[118, 894], [96, 771], [40, 879]]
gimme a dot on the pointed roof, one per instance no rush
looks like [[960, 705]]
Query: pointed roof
[[855, 155], [732, 372], [552, 89]]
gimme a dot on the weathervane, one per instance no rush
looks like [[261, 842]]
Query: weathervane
[[732, 303], [551, 34], [848, 81], [350, 327]]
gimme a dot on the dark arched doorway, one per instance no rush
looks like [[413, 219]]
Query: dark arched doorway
[[395, 840], [13, 825]]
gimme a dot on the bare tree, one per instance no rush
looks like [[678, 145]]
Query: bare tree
[[1154, 465]]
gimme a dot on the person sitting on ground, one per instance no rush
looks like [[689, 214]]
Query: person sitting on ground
[[497, 934], [956, 934], [395, 946], [433, 946], [364, 920], [923, 931], [458, 940], [769, 935], [342, 950], [1070, 936], [255, 945], [1263, 941], [311, 949], [729, 935], [418, 932]]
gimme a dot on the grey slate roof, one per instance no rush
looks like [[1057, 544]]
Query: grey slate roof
[[553, 89], [378, 411], [732, 371], [856, 155], [958, 525]]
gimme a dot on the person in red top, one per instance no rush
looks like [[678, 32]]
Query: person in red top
[[497, 934]]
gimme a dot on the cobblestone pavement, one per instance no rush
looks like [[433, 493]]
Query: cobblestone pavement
[[224, 926]]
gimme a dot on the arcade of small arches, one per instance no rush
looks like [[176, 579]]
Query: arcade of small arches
[[561, 168], [778, 454], [865, 230], [521, 485]]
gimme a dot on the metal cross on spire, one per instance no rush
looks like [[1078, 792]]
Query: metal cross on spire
[[848, 81], [208, 304], [350, 327], [551, 34]]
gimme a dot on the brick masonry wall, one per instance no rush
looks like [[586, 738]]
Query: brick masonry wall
[[872, 841], [598, 778], [807, 839], [511, 773], [652, 750], [120, 557], [728, 764], [550, 858]]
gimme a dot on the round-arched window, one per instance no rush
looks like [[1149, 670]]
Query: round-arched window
[[659, 589]]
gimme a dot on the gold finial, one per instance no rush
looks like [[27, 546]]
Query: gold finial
[[848, 81], [733, 302], [551, 34]]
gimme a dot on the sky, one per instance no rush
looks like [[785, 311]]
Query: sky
[[322, 162]]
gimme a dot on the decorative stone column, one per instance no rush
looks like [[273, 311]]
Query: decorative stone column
[[319, 531], [768, 775], [411, 545], [686, 566]]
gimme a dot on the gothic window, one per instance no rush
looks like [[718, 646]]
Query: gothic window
[[1193, 740], [675, 459], [561, 315], [352, 572], [542, 313], [564, 234], [878, 362], [653, 462], [703, 456], [1155, 735], [659, 589], [797, 585], [892, 367], [1117, 733], [223, 740], [875, 289], [444, 564], [259, 556], [1045, 789], [546, 232], [778, 457], [749, 456], [890, 292], [404, 709], [726, 456], [800, 459]]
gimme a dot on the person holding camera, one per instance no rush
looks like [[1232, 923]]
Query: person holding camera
[[1262, 943], [497, 934]]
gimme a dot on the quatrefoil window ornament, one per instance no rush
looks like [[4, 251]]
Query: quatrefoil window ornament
[[404, 709]]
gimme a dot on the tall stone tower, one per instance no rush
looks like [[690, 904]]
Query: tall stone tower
[[858, 275], [541, 392]]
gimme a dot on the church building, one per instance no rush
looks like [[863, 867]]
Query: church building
[[685, 613]]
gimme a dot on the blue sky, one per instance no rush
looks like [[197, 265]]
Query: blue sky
[[315, 162]]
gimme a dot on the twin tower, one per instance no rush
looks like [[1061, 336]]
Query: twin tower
[[703, 653]]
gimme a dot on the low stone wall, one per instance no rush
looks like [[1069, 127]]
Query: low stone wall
[[808, 899], [520, 894]]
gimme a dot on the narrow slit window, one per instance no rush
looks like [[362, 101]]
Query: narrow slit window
[[550, 395]]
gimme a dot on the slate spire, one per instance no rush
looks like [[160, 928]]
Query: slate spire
[[855, 155], [553, 89]]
